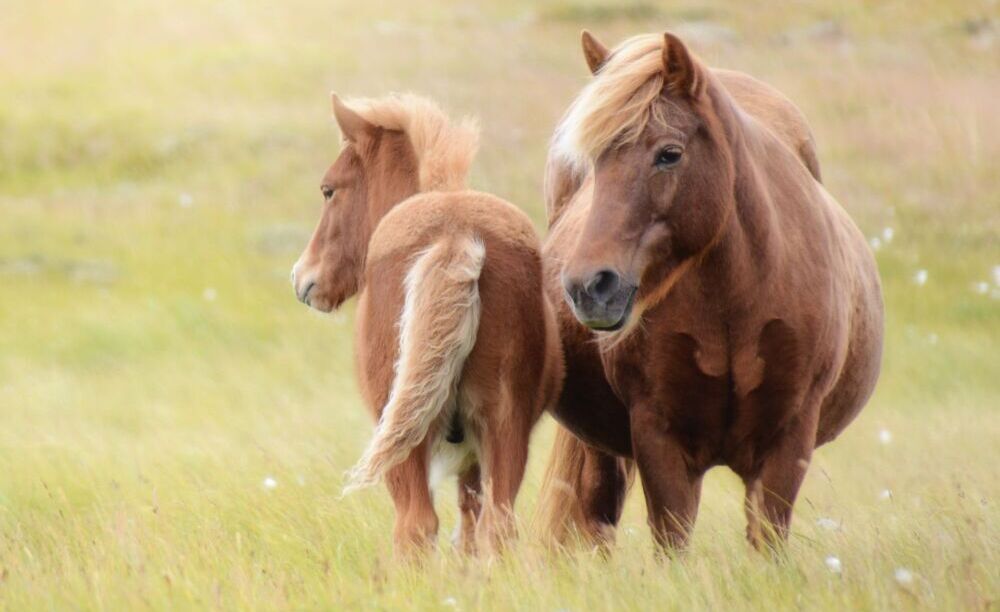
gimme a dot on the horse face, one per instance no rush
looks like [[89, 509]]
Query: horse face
[[376, 170], [658, 201], [328, 271]]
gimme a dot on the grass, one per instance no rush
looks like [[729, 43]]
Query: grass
[[159, 168]]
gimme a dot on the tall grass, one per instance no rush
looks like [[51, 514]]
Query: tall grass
[[159, 170]]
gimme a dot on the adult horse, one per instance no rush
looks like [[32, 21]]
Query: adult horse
[[721, 308]]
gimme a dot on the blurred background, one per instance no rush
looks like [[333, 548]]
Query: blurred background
[[174, 426]]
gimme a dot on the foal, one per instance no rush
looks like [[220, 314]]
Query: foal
[[456, 344]]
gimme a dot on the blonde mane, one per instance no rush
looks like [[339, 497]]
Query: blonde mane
[[444, 149], [617, 104]]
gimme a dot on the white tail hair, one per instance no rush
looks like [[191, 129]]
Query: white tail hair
[[437, 331]]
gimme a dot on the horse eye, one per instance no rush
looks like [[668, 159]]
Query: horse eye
[[667, 157], [327, 192]]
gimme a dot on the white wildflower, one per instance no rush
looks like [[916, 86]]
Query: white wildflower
[[887, 235], [903, 576], [828, 523], [982, 287], [885, 495], [920, 278], [186, 200], [833, 564], [451, 602], [876, 243], [270, 483], [884, 436]]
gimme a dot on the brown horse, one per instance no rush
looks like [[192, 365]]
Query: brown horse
[[720, 307], [456, 343]]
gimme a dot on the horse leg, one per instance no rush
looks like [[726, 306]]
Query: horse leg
[[416, 522], [771, 493], [469, 506], [602, 491], [671, 487], [505, 448], [583, 491]]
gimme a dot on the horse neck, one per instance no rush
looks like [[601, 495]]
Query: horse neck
[[382, 197], [747, 245]]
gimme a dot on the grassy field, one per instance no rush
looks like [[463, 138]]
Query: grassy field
[[174, 426]]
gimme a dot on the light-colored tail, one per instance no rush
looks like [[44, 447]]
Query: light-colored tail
[[568, 487], [437, 331], [559, 512]]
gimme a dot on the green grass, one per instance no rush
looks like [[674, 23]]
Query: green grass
[[159, 170]]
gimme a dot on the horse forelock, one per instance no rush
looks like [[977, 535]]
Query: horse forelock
[[444, 149], [617, 104]]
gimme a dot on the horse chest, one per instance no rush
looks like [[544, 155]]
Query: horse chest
[[723, 404], [683, 380]]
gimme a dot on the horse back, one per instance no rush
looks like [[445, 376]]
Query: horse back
[[517, 343], [775, 111]]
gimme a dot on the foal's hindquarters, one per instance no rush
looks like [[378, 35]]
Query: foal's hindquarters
[[458, 355]]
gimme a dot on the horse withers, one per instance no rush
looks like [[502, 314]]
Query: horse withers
[[720, 307], [457, 349]]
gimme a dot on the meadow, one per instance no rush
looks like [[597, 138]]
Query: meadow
[[174, 426]]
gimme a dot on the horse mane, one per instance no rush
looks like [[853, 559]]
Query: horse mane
[[617, 104], [444, 149]]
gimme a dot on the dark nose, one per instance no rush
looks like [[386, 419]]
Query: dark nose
[[603, 285], [599, 287], [600, 300]]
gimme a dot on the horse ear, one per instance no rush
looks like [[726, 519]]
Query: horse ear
[[352, 125], [594, 51], [682, 75]]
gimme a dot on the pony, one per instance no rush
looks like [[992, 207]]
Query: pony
[[457, 348], [719, 307]]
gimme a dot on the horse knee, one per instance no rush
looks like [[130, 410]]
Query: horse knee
[[496, 527], [769, 516], [416, 530]]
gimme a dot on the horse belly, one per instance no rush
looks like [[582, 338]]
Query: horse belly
[[863, 360], [858, 376]]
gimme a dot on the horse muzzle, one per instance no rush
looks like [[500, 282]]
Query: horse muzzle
[[303, 284], [602, 300]]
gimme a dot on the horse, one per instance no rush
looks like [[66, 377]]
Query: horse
[[457, 346], [719, 307]]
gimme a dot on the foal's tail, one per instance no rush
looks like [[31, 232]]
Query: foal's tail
[[438, 330]]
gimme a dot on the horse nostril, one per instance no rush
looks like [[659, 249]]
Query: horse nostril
[[603, 285], [571, 290], [304, 295]]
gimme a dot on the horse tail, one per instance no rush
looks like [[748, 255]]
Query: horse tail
[[438, 328], [560, 509]]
